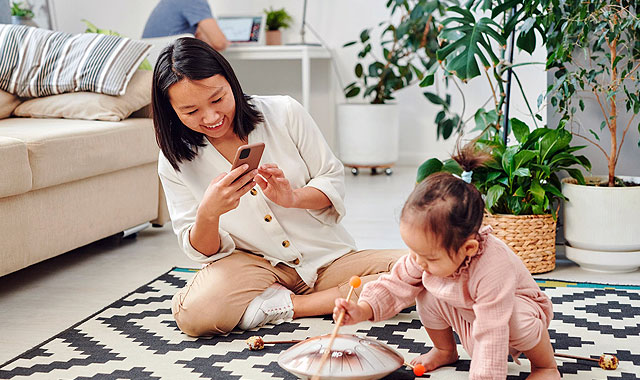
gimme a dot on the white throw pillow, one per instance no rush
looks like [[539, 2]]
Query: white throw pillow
[[92, 106]]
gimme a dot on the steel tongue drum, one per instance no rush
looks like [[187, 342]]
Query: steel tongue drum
[[352, 357]]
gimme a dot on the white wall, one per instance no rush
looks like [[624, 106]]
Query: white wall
[[337, 21]]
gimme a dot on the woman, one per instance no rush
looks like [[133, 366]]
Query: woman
[[272, 242]]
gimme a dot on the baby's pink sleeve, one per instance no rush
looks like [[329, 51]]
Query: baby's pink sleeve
[[392, 292], [494, 299]]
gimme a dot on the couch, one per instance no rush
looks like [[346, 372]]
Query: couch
[[65, 183]]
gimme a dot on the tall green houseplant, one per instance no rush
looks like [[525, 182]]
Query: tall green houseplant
[[595, 50], [395, 54], [406, 51]]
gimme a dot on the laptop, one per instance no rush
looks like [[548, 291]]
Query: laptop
[[243, 30]]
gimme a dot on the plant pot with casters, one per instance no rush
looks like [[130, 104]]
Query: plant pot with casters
[[368, 130]]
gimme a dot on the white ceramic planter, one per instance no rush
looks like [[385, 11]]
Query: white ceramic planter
[[368, 134], [602, 226]]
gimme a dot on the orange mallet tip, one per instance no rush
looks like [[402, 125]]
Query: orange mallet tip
[[418, 370], [355, 281]]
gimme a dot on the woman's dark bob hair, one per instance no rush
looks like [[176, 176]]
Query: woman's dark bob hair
[[192, 59]]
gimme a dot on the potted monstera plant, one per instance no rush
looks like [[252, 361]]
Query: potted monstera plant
[[521, 182], [594, 50], [522, 187], [368, 130]]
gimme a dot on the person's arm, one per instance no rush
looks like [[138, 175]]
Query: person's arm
[[493, 306], [209, 32], [277, 188], [222, 196], [392, 292], [325, 170]]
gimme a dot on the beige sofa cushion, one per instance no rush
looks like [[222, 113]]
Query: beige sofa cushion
[[15, 173], [92, 106], [8, 103], [62, 150]]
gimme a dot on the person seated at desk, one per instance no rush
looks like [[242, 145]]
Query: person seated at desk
[[174, 17]]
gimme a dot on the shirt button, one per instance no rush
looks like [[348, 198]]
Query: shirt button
[[295, 262], [267, 218], [286, 243], [253, 192]]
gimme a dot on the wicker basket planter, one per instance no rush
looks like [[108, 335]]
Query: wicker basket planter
[[531, 237]]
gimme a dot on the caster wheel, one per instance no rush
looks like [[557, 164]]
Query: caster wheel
[[355, 171], [374, 171], [388, 171]]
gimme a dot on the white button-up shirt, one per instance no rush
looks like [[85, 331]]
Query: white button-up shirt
[[303, 239]]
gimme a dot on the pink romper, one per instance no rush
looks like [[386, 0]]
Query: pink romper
[[491, 301]]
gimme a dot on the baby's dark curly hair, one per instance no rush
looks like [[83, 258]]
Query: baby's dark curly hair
[[446, 206]]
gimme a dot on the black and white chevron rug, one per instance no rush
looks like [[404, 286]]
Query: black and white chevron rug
[[137, 338]]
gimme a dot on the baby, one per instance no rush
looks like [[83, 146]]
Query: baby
[[461, 278]]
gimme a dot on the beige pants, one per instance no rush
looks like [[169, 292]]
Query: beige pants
[[215, 299]]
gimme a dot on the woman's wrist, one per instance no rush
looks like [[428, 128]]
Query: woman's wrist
[[295, 199], [309, 198]]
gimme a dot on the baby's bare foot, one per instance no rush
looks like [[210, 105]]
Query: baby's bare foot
[[436, 358]]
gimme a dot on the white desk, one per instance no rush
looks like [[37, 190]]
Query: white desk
[[283, 52]]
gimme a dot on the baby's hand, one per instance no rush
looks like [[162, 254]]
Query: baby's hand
[[353, 313]]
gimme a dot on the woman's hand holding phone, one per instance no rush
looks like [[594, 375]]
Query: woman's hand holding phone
[[224, 191], [275, 185]]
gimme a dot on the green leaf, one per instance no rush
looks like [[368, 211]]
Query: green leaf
[[594, 134], [553, 190], [523, 157], [353, 92], [552, 142], [451, 166], [527, 41], [537, 191], [522, 172], [535, 136], [581, 104], [508, 161], [460, 55], [520, 130], [484, 118], [359, 70], [544, 168], [427, 81], [350, 43], [493, 196], [520, 193], [492, 176], [515, 205], [435, 99], [538, 209], [577, 175], [364, 35], [427, 168]]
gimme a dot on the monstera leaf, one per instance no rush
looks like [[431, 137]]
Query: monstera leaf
[[474, 40]]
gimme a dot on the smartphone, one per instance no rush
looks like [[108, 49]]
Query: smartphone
[[248, 154]]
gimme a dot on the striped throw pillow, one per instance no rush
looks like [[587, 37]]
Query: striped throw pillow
[[38, 62]]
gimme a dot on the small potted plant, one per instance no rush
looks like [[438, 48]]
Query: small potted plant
[[522, 188], [21, 15], [595, 58], [368, 129], [276, 19]]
